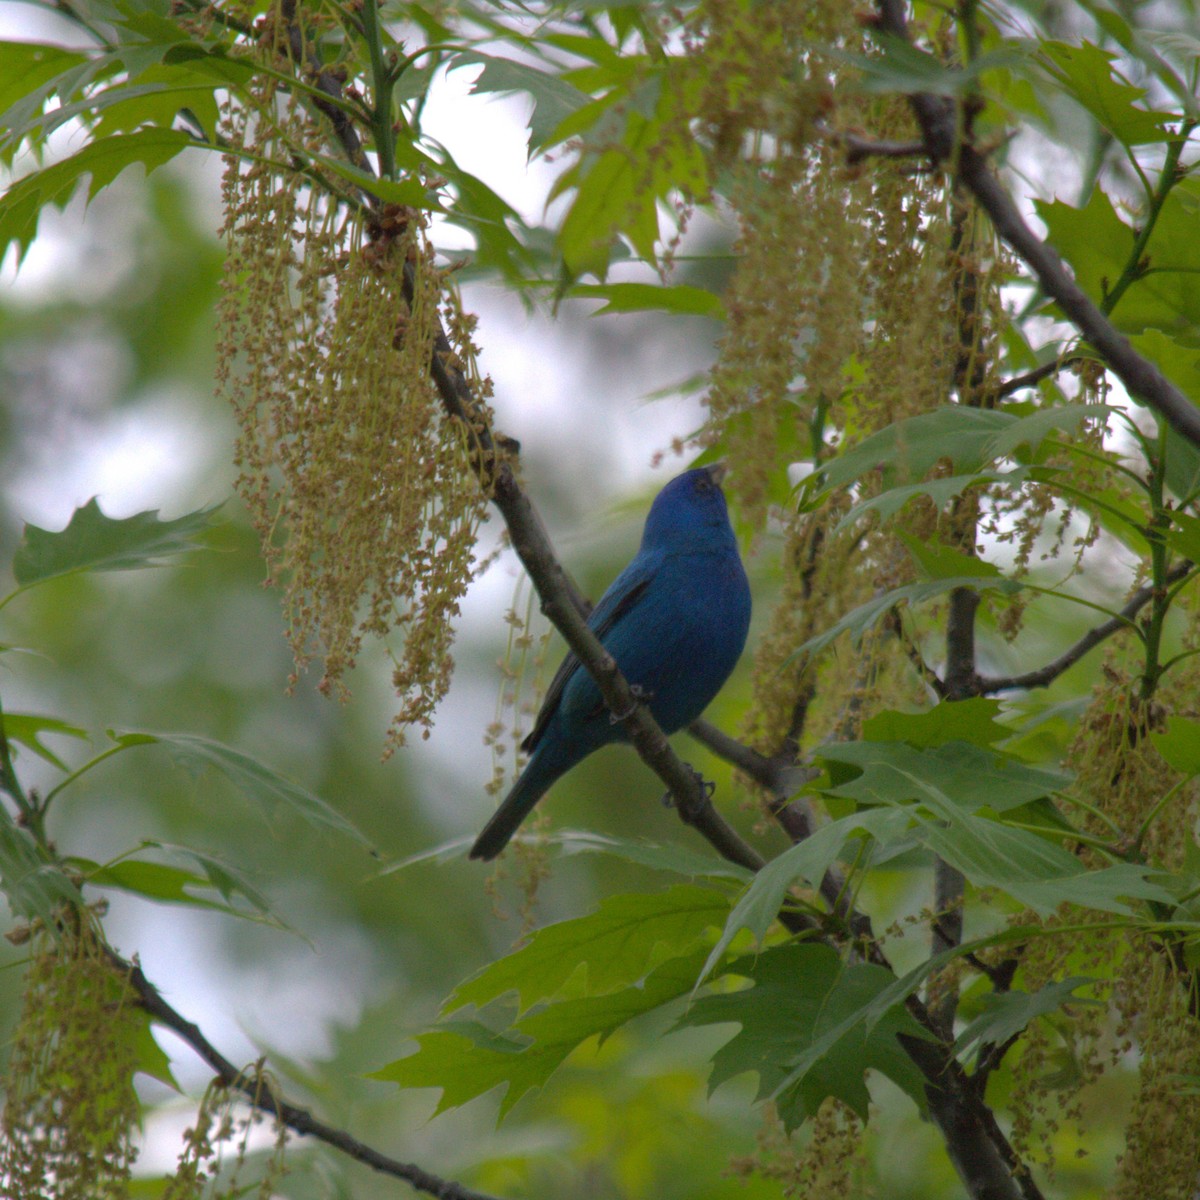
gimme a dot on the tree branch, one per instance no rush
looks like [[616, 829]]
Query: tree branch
[[937, 117], [297, 1119], [1034, 377], [1046, 675]]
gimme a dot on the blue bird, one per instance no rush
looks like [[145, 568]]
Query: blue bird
[[675, 621]]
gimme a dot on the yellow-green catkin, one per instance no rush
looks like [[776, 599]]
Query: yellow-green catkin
[[841, 320], [826, 1162], [70, 1110], [360, 487], [218, 1155], [1162, 1135]]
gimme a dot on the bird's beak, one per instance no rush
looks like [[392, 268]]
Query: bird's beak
[[717, 472]]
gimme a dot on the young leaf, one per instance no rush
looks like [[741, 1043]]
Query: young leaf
[[101, 161], [1005, 1014], [938, 561], [617, 944], [966, 776], [809, 1030], [971, 438], [760, 903], [972, 720], [252, 778], [681, 299], [27, 729], [1032, 869], [1180, 745], [465, 1059], [172, 884], [36, 889], [94, 542], [1086, 73], [554, 98], [863, 618]]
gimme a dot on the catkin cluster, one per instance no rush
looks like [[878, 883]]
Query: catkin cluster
[[70, 1112], [359, 485]]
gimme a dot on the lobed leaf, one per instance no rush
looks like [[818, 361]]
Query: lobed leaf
[[1006, 1014], [254, 779], [100, 162], [810, 1030], [93, 542], [616, 946], [466, 1059], [27, 730]]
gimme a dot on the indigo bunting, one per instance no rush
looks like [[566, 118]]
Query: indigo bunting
[[675, 621]]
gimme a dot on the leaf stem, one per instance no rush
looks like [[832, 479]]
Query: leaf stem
[[382, 82], [87, 766], [1160, 598]]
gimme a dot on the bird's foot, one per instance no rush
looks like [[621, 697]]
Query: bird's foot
[[640, 696], [706, 788]]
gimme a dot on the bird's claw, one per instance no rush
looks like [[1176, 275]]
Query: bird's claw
[[706, 787], [640, 696]]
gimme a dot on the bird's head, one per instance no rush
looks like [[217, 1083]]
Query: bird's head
[[691, 505]]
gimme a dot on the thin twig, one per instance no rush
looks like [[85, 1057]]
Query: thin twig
[[1044, 676], [1034, 377], [297, 1119]]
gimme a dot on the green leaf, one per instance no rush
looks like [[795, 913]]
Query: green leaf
[[36, 889], [940, 492], [94, 542], [760, 903], [252, 778], [1180, 362], [101, 161], [409, 192], [615, 945], [27, 729], [677, 859], [1184, 535], [970, 438], [1093, 239], [466, 1059], [904, 68], [967, 776], [1006, 1014], [603, 201], [1180, 745], [28, 71], [681, 299], [168, 883], [149, 1057], [1032, 869], [554, 98], [972, 720], [1086, 73], [809, 1030], [937, 561]]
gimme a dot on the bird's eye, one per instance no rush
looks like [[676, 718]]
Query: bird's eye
[[703, 484]]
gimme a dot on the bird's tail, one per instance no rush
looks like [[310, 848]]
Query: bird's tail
[[533, 784]]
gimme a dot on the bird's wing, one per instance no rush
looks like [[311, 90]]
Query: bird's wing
[[622, 595]]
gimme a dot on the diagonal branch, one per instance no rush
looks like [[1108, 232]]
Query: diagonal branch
[[297, 1119], [937, 117]]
